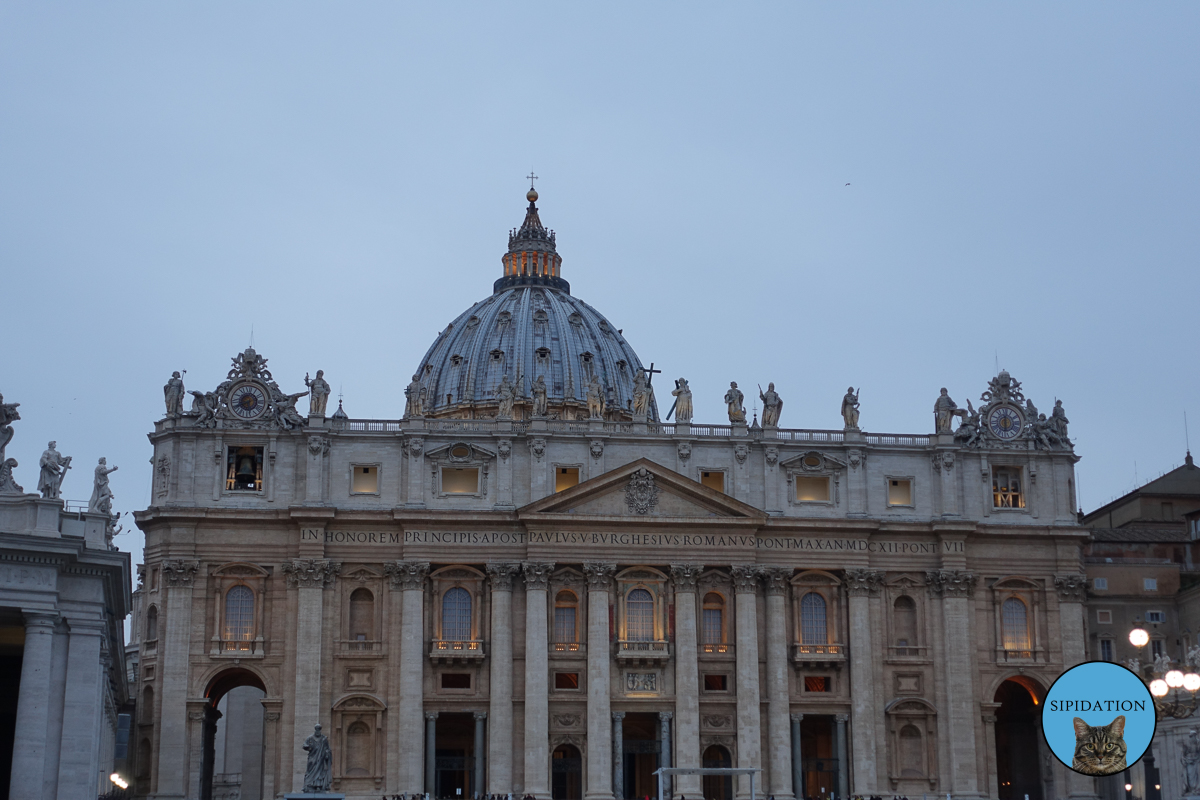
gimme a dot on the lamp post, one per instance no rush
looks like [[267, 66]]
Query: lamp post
[[1182, 704]]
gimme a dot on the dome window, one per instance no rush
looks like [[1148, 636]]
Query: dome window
[[576, 319], [497, 355], [456, 360], [540, 317], [622, 365], [472, 322], [503, 320]]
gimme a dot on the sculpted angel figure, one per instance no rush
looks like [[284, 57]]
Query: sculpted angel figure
[[319, 388], [968, 429], [8, 414], [506, 393], [318, 773], [204, 408], [101, 502], [850, 409], [733, 399], [54, 466], [772, 405], [173, 395], [285, 408], [683, 401], [540, 403]]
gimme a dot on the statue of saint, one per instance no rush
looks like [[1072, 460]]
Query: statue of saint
[[944, 410], [54, 468], [319, 389], [643, 393], [850, 409], [772, 405], [1058, 422], [318, 774], [1162, 664], [595, 398], [8, 414], [506, 394], [173, 394], [683, 401], [540, 404], [415, 398], [1191, 763], [101, 502], [733, 399]]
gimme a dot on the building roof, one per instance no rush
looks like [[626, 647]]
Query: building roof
[[1140, 534], [1183, 481]]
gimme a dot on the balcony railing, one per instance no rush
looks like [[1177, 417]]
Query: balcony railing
[[361, 646], [450, 650], [568, 647], [628, 650], [907, 651], [237, 645], [1018, 654], [711, 648], [824, 654]]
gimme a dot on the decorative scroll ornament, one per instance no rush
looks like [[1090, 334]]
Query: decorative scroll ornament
[[597, 448], [538, 448], [1071, 588], [740, 452], [415, 446], [501, 575], [641, 494], [504, 448], [684, 449], [950, 583], [599, 575], [179, 573], [863, 582], [407, 575], [1003, 389], [686, 576], [311, 573], [772, 455]]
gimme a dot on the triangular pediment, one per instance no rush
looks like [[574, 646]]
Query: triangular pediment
[[642, 490]]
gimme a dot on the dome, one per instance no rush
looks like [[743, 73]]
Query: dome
[[531, 326]]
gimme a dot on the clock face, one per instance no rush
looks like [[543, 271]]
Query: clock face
[[247, 401], [1004, 423]]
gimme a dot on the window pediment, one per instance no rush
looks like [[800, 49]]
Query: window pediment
[[814, 462], [459, 453], [240, 570]]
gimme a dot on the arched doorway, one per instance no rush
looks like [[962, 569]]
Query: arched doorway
[[231, 761], [717, 787], [566, 773], [1018, 766]]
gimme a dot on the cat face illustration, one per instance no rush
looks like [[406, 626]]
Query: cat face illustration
[[1100, 749]]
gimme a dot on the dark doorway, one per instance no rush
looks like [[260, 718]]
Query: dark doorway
[[12, 650], [454, 755], [566, 773], [641, 749], [818, 757], [717, 787], [231, 755], [1018, 770]]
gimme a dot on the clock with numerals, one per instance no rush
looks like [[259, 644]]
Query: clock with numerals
[[1005, 422], [247, 401]]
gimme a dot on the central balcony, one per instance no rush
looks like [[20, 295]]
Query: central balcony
[[652, 652], [446, 651], [819, 655]]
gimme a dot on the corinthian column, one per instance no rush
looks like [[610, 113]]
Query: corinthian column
[[33, 706], [1070, 589], [860, 585], [687, 678], [954, 587], [779, 731], [599, 710], [745, 585], [500, 709], [409, 578], [537, 678]]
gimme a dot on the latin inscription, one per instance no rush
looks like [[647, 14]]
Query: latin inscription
[[26, 577]]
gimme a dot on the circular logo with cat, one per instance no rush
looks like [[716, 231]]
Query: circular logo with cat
[[1098, 718]]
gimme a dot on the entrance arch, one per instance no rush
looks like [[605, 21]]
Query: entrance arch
[[1018, 762], [566, 773], [231, 757], [717, 787]]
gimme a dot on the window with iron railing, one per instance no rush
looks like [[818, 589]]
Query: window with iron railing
[[639, 616], [456, 615], [1014, 620], [239, 618], [813, 627]]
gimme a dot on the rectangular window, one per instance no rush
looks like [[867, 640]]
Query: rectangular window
[[817, 683], [460, 481], [1156, 617], [1006, 488], [564, 624], [566, 680], [812, 490], [365, 480], [899, 492], [716, 683], [122, 747], [565, 478], [1106, 650], [456, 680], [1104, 617], [713, 480], [1100, 584], [712, 628], [244, 469], [1156, 647], [1150, 584]]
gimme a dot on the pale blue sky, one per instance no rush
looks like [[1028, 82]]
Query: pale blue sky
[[343, 176]]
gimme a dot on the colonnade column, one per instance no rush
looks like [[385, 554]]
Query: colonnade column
[[664, 748], [600, 735], [618, 753], [174, 643], [954, 587], [687, 678], [1070, 590], [860, 585], [431, 753], [409, 577], [310, 577], [797, 757], [500, 708], [78, 765], [537, 678], [779, 732], [480, 723], [33, 706], [843, 757], [745, 585]]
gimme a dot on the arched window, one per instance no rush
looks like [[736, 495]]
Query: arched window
[[712, 623], [362, 615], [813, 629], [905, 625], [239, 618], [152, 624], [146, 712], [143, 760], [566, 615], [639, 616], [456, 615], [1014, 619], [911, 759], [358, 749]]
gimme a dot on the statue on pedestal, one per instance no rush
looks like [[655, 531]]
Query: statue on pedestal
[[733, 399], [772, 405], [54, 468], [101, 502], [850, 409], [595, 398], [643, 393], [319, 389], [1190, 756], [683, 402], [506, 394], [414, 398], [540, 403], [1058, 422], [944, 411], [173, 394], [318, 774]]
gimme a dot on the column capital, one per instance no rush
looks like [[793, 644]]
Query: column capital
[[950, 582], [863, 582], [599, 575], [537, 574], [777, 580], [407, 575], [40, 619], [430, 716], [666, 715], [311, 573], [500, 573], [481, 715], [618, 715], [1071, 588], [843, 718], [686, 576], [745, 578], [179, 572], [797, 717]]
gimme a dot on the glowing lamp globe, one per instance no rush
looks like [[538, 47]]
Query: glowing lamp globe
[[1158, 688], [1138, 637], [1191, 681], [1174, 679]]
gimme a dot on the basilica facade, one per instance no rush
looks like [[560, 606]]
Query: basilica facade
[[534, 582]]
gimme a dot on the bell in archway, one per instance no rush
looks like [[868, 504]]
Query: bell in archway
[[245, 469]]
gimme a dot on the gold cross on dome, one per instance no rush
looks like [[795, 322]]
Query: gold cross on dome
[[532, 178]]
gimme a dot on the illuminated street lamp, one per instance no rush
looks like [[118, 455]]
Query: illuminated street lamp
[[1138, 637]]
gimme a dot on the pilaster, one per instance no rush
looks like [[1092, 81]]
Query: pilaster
[[500, 708], [955, 588], [537, 673], [178, 576], [861, 584], [409, 577], [745, 584], [601, 738], [687, 678], [779, 734]]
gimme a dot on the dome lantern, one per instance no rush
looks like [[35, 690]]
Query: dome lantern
[[532, 258]]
